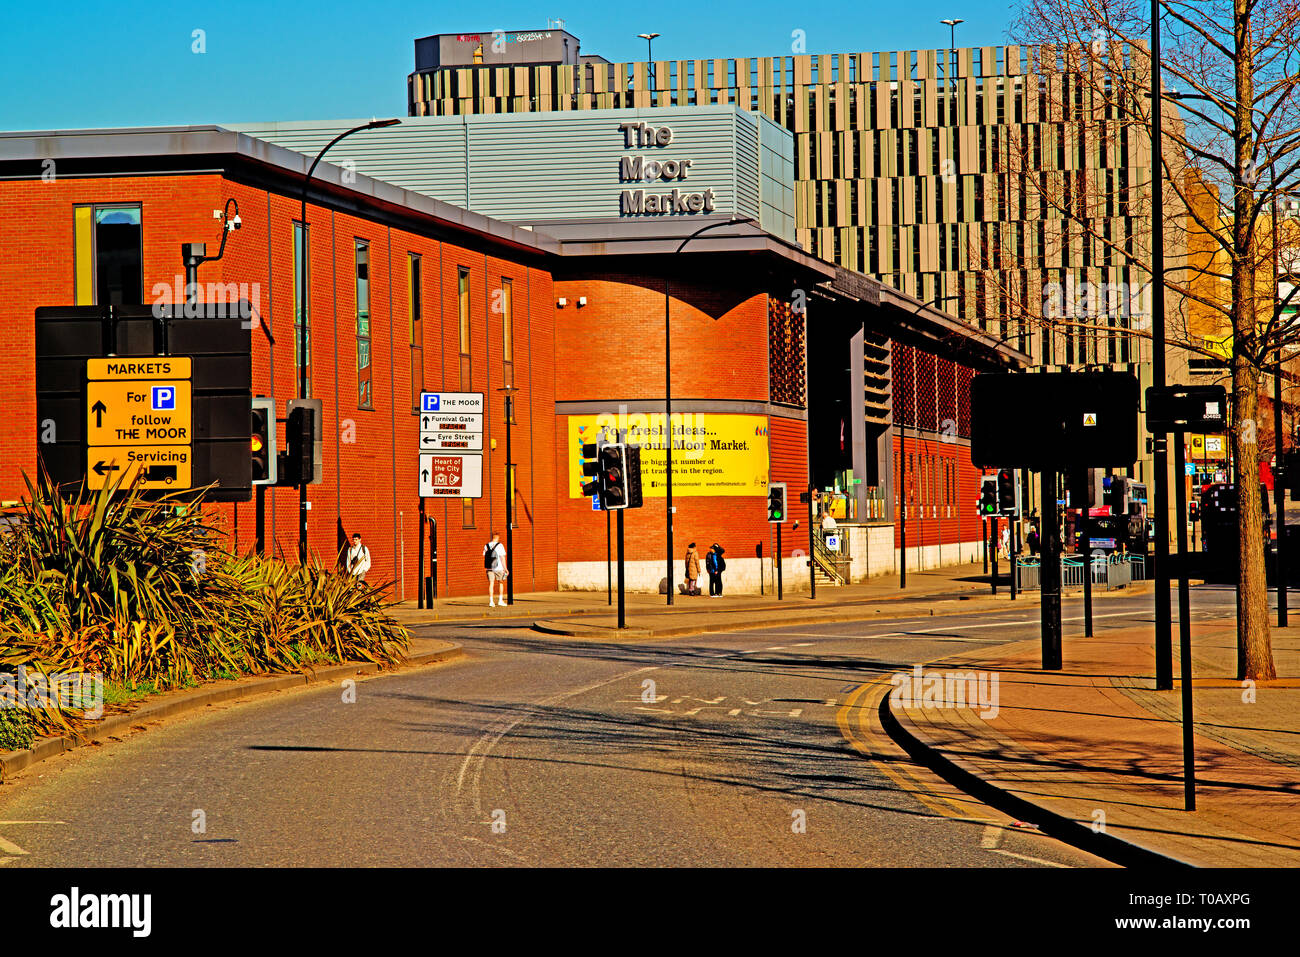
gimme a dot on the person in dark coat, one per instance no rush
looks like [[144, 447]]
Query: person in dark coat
[[715, 565]]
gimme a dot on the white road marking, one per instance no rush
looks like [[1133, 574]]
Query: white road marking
[[991, 837], [9, 847], [477, 755], [2, 823], [1027, 857]]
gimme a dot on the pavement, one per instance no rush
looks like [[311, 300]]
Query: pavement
[[1096, 751], [588, 614]]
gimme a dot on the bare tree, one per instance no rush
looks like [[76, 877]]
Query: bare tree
[[1231, 152]]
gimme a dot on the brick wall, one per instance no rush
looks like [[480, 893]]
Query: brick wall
[[370, 455]]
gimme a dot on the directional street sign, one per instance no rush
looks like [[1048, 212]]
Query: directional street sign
[[164, 466], [149, 413], [147, 367], [451, 430], [451, 423], [139, 422], [451, 476]]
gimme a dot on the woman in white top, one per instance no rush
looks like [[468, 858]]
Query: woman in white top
[[494, 561]]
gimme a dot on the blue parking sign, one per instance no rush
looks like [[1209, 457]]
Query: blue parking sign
[[164, 398], [432, 402]]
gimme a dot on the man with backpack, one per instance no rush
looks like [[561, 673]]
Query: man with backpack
[[358, 558], [494, 561], [715, 565]]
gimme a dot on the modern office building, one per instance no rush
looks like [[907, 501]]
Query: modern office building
[[907, 170]]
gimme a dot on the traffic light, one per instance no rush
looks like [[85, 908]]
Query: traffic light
[[1007, 491], [613, 476], [300, 438], [1193, 511], [261, 431], [989, 495], [591, 468], [776, 502], [634, 476]]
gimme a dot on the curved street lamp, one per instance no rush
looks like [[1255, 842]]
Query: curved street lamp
[[303, 312], [668, 383]]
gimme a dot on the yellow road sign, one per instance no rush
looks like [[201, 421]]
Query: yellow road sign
[[139, 367], [154, 412], [157, 466]]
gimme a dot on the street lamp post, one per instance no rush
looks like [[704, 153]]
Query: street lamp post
[[650, 57], [668, 386], [302, 313], [509, 392], [952, 42]]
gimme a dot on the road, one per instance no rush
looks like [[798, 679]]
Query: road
[[753, 748]]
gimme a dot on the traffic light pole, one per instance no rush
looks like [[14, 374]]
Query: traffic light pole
[[622, 618], [780, 596], [1160, 562], [609, 563], [1184, 627], [985, 538], [993, 579], [1279, 491], [1086, 545], [812, 558], [1013, 525], [1049, 572], [902, 509]]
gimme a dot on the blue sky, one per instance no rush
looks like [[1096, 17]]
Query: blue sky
[[123, 63]]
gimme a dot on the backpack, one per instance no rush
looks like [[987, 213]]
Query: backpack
[[722, 564], [489, 556]]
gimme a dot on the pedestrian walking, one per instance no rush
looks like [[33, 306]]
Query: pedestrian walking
[[1032, 539], [1006, 540], [692, 570], [494, 561], [358, 558], [715, 565]]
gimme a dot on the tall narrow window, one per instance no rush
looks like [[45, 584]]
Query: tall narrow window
[[467, 513], [462, 302], [365, 372], [415, 309], [301, 311], [108, 252], [507, 333]]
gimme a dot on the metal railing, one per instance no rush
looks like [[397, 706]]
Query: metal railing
[[1109, 572], [834, 564]]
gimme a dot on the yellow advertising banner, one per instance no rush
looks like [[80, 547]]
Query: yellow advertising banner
[[713, 454]]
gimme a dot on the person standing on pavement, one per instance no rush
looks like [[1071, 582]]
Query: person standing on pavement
[[494, 561], [692, 570], [715, 565], [1006, 540], [358, 558]]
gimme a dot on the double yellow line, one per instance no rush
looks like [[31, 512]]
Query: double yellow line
[[854, 720]]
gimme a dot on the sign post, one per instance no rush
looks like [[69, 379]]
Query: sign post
[[450, 453]]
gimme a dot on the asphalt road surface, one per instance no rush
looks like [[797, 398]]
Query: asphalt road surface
[[748, 748]]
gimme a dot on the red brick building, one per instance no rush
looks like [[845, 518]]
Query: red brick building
[[405, 295], [410, 294]]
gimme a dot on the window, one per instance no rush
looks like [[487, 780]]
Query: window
[[467, 513], [462, 301], [365, 377], [507, 333], [415, 309], [514, 494], [108, 269], [301, 311]]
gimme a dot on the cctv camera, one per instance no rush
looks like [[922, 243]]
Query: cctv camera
[[235, 223]]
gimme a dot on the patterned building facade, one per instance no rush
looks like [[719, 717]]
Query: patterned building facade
[[972, 179]]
